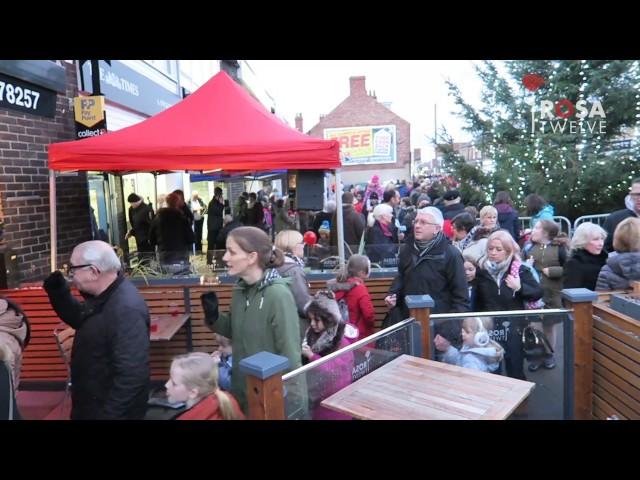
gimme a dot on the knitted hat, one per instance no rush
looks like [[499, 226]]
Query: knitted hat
[[325, 227]]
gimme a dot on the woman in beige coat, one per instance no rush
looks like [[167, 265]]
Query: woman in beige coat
[[14, 335]]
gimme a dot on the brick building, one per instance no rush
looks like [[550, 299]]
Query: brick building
[[365, 148], [36, 114], [36, 100]]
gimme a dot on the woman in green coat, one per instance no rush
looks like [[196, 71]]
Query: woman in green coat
[[263, 314]]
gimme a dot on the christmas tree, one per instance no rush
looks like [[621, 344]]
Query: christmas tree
[[565, 129]]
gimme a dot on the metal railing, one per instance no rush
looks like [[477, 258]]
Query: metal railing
[[597, 219], [565, 224]]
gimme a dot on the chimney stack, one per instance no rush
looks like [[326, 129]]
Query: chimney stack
[[299, 122], [357, 86]]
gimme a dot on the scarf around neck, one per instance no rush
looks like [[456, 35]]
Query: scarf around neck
[[385, 229], [497, 270], [296, 260], [424, 247]]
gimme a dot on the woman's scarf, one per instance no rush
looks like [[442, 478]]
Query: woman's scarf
[[385, 229], [296, 260], [497, 270]]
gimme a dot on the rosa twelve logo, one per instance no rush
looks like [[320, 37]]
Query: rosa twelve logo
[[562, 114]]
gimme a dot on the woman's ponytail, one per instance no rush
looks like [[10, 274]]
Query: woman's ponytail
[[226, 406]]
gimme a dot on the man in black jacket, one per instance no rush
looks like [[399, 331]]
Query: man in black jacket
[[140, 217], [215, 215], [632, 202], [353, 224], [430, 265], [110, 358]]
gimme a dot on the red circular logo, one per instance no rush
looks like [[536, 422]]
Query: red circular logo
[[532, 81], [569, 106]]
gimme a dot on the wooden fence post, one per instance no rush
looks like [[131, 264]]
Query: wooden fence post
[[264, 385], [420, 308], [580, 301]]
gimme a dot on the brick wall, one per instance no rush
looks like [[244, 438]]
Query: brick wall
[[24, 186], [361, 109]]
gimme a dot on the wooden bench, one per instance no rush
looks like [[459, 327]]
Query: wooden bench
[[42, 361]]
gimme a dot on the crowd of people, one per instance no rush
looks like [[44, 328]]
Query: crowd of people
[[466, 260]]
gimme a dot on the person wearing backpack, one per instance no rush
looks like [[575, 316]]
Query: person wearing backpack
[[351, 292], [547, 253]]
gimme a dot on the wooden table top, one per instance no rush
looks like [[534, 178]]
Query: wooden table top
[[168, 325], [412, 388]]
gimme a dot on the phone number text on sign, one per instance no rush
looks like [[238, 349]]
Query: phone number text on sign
[[18, 96]]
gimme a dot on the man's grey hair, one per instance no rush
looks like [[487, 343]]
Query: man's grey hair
[[331, 206], [435, 213], [100, 254]]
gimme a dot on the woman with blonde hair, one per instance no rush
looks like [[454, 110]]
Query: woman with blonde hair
[[194, 381], [292, 245], [504, 283], [489, 218], [478, 351], [587, 257], [623, 266]]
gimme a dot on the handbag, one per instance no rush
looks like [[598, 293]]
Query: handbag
[[535, 344], [531, 304]]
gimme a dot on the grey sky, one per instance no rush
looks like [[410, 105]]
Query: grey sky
[[314, 87]]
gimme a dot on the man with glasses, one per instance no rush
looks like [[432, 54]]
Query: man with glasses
[[632, 204], [430, 265], [110, 360]]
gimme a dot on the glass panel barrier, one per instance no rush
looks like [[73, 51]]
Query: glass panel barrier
[[536, 346], [317, 258], [326, 258], [163, 265], [308, 386]]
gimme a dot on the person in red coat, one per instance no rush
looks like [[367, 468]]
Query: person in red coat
[[349, 285], [194, 381]]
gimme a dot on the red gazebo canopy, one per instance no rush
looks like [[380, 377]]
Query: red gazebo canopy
[[219, 126]]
